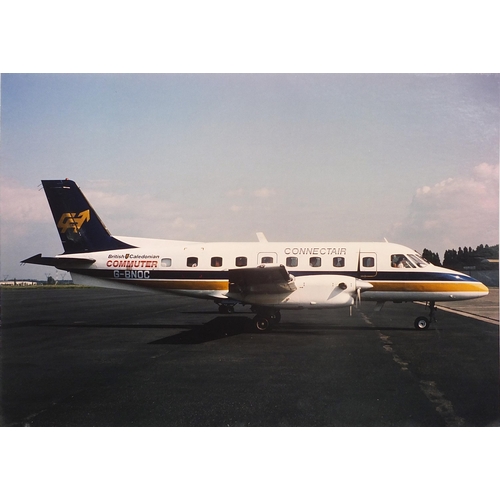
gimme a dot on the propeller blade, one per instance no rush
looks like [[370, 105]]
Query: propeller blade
[[361, 286]]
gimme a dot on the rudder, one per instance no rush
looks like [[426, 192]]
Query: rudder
[[80, 228]]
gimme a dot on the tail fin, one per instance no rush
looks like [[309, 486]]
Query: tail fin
[[80, 228]]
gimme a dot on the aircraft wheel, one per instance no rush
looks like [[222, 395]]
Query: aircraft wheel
[[422, 323], [262, 323], [276, 317]]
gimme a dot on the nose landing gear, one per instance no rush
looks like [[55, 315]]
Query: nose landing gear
[[422, 322]]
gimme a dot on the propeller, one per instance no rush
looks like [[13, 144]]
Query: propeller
[[361, 286]]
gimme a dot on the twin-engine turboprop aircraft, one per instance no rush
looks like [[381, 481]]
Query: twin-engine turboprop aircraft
[[267, 276]]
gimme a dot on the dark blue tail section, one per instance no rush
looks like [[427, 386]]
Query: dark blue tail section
[[80, 228]]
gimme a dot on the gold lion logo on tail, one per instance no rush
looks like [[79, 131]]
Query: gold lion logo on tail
[[71, 221]]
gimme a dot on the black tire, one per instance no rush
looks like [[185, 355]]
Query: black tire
[[276, 317], [422, 323], [262, 324]]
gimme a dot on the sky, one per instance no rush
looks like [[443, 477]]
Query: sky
[[412, 158]]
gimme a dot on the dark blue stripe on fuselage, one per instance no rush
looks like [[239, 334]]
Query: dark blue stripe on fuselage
[[223, 275], [392, 276]]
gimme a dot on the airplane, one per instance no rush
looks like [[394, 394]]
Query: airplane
[[267, 276]]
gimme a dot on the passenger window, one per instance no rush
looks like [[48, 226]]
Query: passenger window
[[399, 260], [192, 261], [266, 260], [241, 261], [216, 262], [315, 261], [368, 262], [166, 262], [338, 262], [292, 261]]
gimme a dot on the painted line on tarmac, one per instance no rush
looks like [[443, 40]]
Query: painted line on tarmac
[[428, 387], [466, 314], [443, 406], [470, 315]]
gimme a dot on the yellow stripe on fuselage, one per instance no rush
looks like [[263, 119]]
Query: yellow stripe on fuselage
[[195, 285], [428, 286], [201, 285]]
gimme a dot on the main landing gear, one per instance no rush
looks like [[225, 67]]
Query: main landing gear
[[422, 322], [266, 319], [226, 306]]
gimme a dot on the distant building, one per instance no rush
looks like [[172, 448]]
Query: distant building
[[18, 283]]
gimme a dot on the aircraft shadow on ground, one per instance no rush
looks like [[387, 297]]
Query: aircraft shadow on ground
[[229, 326], [84, 324], [217, 328]]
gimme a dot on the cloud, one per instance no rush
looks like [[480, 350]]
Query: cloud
[[264, 193], [25, 212], [246, 199], [180, 223], [454, 212], [107, 200], [19, 204], [143, 215]]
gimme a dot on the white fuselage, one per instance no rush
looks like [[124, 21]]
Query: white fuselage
[[395, 272]]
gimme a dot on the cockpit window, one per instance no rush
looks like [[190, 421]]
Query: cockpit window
[[420, 261], [401, 261]]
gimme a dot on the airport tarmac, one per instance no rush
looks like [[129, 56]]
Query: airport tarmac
[[485, 308], [97, 357]]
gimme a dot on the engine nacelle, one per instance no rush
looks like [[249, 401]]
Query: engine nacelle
[[316, 292]]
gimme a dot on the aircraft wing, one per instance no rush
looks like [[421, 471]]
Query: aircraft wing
[[65, 263], [261, 280]]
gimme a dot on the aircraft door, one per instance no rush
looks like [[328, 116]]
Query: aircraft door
[[267, 258], [367, 264]]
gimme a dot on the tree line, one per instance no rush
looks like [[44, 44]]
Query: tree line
[[465, 257]]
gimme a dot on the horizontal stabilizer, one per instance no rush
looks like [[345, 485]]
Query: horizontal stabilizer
[[64, 263], [261, 280]]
